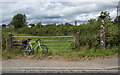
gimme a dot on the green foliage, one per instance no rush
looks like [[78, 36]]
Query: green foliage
[[5, 33], [106, 14], [19, 21], [3, 25], [39, 25], [6, 54], [32, 25], [115, 20], [89, 53], [4, 37]]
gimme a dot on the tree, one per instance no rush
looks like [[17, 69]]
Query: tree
[[92, 21], [18, 21], [67, 25], [39, 25], [4, 25], [32, 25]]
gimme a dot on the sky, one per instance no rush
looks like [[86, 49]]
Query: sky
[[57, 12]]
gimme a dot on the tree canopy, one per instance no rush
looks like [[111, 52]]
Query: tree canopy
[[19, 21], [39, 25]]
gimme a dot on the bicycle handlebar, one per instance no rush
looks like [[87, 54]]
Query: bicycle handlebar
[[38, 40]]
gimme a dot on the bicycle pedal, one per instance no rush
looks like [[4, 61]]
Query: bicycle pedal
[[32, 50], [32, 53]]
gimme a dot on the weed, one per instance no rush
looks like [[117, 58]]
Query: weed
[[50, 57]]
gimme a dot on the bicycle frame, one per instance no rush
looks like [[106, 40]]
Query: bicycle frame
[[30, 43]]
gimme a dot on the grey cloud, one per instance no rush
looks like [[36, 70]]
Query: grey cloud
[[58, 11]]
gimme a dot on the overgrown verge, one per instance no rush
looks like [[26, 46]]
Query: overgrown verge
[[9, 54], [69, 55], [89, 54]]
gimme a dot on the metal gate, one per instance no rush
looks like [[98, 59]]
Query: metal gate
[[52, 42]]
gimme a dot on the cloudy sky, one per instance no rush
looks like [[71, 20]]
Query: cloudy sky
[[57, 12]]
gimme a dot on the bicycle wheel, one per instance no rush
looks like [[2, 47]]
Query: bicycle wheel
[[25, 50], [43, 50]]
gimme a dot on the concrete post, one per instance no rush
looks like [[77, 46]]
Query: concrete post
[[102, 32]]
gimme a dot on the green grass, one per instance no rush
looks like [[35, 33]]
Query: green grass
[[91, 53]]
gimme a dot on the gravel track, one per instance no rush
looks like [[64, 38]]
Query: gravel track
[[22, 64]]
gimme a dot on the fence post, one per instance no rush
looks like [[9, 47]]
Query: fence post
[[7, 44], [10, 40], [78, 39]]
